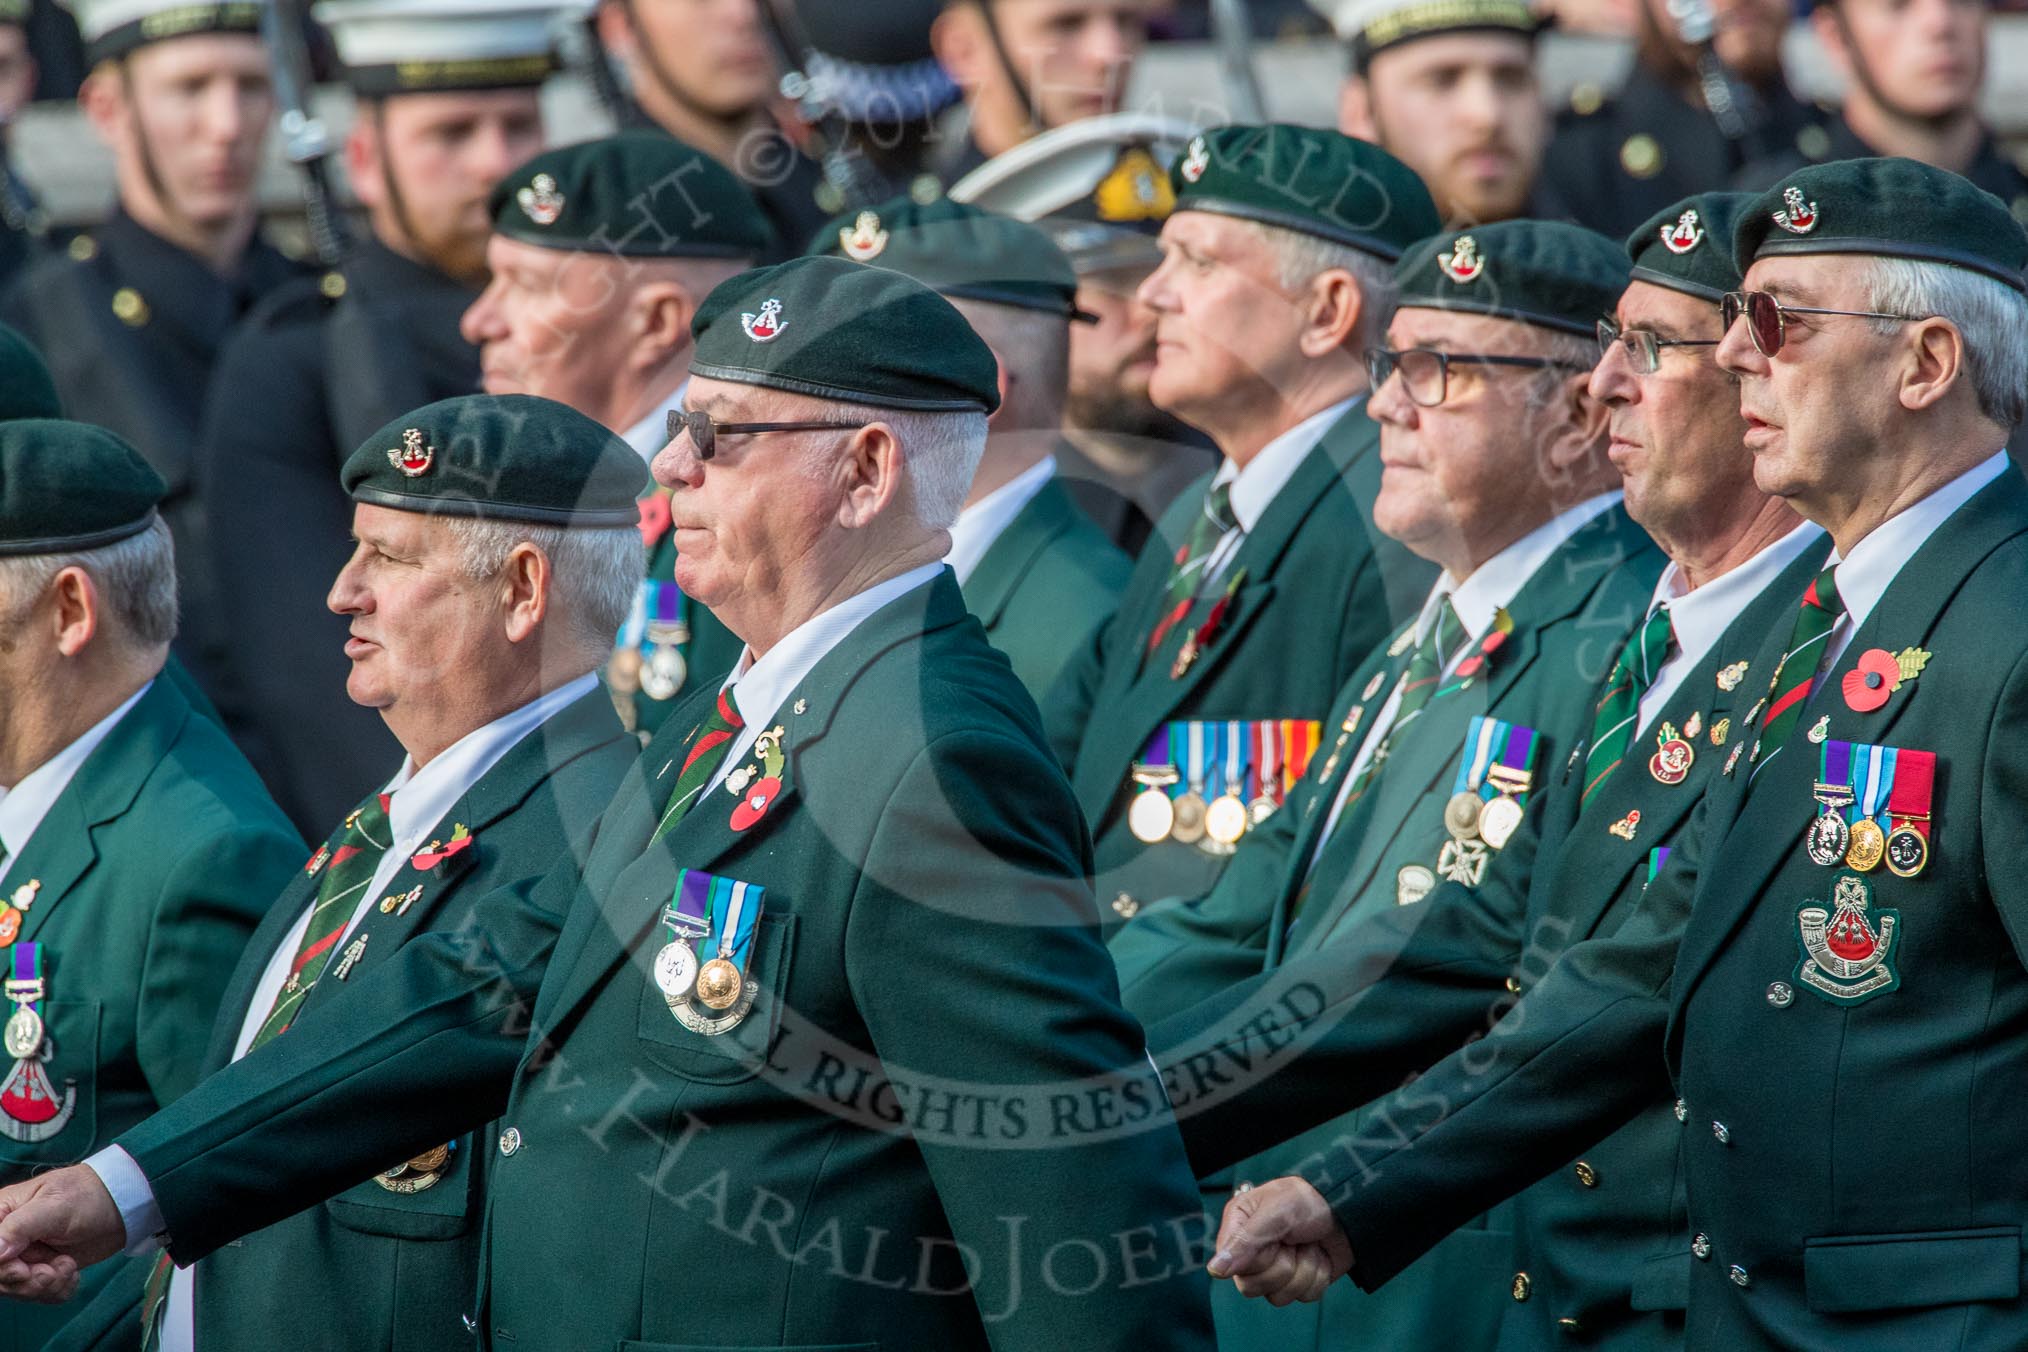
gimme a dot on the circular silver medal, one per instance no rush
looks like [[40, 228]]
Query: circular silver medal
[[1412, 884], [663, 674], [24, 1033], [1498, 820], [676, 969], [1150, 816], [1827, 839]]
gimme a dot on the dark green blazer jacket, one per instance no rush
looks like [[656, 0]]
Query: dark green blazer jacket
[[908, 1098], [1781, 1086], [1321, 588], [395, 1271], [1045, 586], [153, 866]]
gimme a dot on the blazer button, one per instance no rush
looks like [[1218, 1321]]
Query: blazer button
[[1781, 994], [471, 1324], [510, 1140], [1739, 1277], [1124, 906], [1700, 1246], [1721, 1133], [1682, 1111], [1522, 1286], [1513, 985], [1587, 1175], [1570, 1326]]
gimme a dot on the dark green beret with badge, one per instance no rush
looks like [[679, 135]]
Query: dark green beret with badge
[[1688, 247], [26, 390], [833, 329], [637, 194], [957, 250], [66, 486], [500, 457], [1561, 277], [1888, 208], [1309, 180]]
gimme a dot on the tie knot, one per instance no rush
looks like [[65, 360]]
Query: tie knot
[[368, 819], [728, 710], [1823, 592], [1218, 506]]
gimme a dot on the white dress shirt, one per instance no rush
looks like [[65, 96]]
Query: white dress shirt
[[23, 807], [417, 801], [1699, 617], [1477, 601], [1255, 488], [651, 434], [980, 524]]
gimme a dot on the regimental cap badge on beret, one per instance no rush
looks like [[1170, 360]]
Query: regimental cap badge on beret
[[863, 240], [1796, 216], [1135, 190], [414, 456], [1463, 264], [540, 201], [1685, 235], [1195, 160], [767, 325]]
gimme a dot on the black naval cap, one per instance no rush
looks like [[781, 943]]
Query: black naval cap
[[834, 329], [636, 194], [500, 457], [1890, 208], [1558, 276], [1688, 247], [26, 389], [1309, 180], [957, 250], [67, 486]]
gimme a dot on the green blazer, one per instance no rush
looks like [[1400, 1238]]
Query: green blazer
[[1045, 586], [1321, 588], [1703, 990], [153, 866], [394, 1270], [931, 982], [711, 651], [1569, 621]]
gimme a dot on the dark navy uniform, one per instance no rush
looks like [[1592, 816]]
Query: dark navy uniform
[[1830, 137], [334, 357]]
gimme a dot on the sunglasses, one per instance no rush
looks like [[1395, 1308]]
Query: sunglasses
[[1767, 317], [1426, 373], [704, 431], [1643, 347]]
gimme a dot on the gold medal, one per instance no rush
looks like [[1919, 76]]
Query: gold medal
[[1150, 816], [1907, 851], [1188, 826], [1498, 820], [719, 984], [676, 969], [623, 671], [1461, 815], [430, 1160], [1225, 820], [24, 1033], [1868, 846], [1412, 884]]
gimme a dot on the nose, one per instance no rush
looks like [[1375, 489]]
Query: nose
[[1736, 352], [1612, 380], [349, 595], [676, 465], [1390, 403], [1154, 292], [481, 321]]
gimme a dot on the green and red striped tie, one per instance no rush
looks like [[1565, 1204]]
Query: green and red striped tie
[[1619, 710], [708, 748], [1186, 577], [1789, 691]]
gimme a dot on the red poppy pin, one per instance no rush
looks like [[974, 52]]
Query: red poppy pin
[[654, 518], [437, 851], [1490, 644], [1878, 674], [758, 787]]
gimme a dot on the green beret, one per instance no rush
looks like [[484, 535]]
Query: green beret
[[836, 330], [26, 389], [957, 250], [1317, 182], [66, 486], [1890, 208], [638, 194], [1688, 247], [500, 457], [1561, 277]]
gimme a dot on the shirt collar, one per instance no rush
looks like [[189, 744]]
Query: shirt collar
[[1864, 576], [418, 799], [23, 807], [1700, 616], [1494, 583], [1254, 487], [980, 524], [651, 434], [759, 686]]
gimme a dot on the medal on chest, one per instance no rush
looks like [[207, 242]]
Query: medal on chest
[[711, 921], [30, 1108]]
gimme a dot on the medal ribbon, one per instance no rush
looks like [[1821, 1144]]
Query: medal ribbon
[[25, 987], [1872, 800], [1914, 779], [1237, 743], [1518, 753], [735, 911], [1835, 770], [1657, 859], [1300, 738], [634, 629], [1483, 738], [1157, 756], [1267, 760], [688, 914]]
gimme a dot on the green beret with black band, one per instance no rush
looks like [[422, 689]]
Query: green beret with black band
[[1305, 179], [67, 486], [833, 329], [1888, 208], [957, 250], [1688, 247], [500, 457], [637, 194], [1558, 276]]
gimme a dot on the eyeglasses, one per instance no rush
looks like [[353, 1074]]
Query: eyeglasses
[[1426, 373], [1767, 317], [1644, 348], [705, 431]]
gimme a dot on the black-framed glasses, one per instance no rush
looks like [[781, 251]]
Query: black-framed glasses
[[1426, 373], [704, 430], [1767, 317], [1643, 346]]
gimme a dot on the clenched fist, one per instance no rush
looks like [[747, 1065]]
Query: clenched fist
[[1278, 1241], [50, 1227]]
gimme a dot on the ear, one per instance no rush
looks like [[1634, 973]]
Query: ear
[[1333, 306], [362, 161], [659, 318], [524, 591], [871, 474], [1829, 27], [1004, 379], [103, 99], [1355, 108], [74, 610], [958, 45], [1585, 422], [1934, 363], [616, 29]]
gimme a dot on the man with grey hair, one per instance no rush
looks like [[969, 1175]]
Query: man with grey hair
[[478, 617], [1266, 585], [831, 957], [137, 848]]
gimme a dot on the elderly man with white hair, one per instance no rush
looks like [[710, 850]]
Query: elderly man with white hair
[[823, 1047]]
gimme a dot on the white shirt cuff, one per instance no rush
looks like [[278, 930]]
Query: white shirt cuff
[[139, 1211]]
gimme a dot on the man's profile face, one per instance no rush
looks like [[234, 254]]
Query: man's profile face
[[1222, 321], [201, 106], [1112, 360], [544, 324]]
